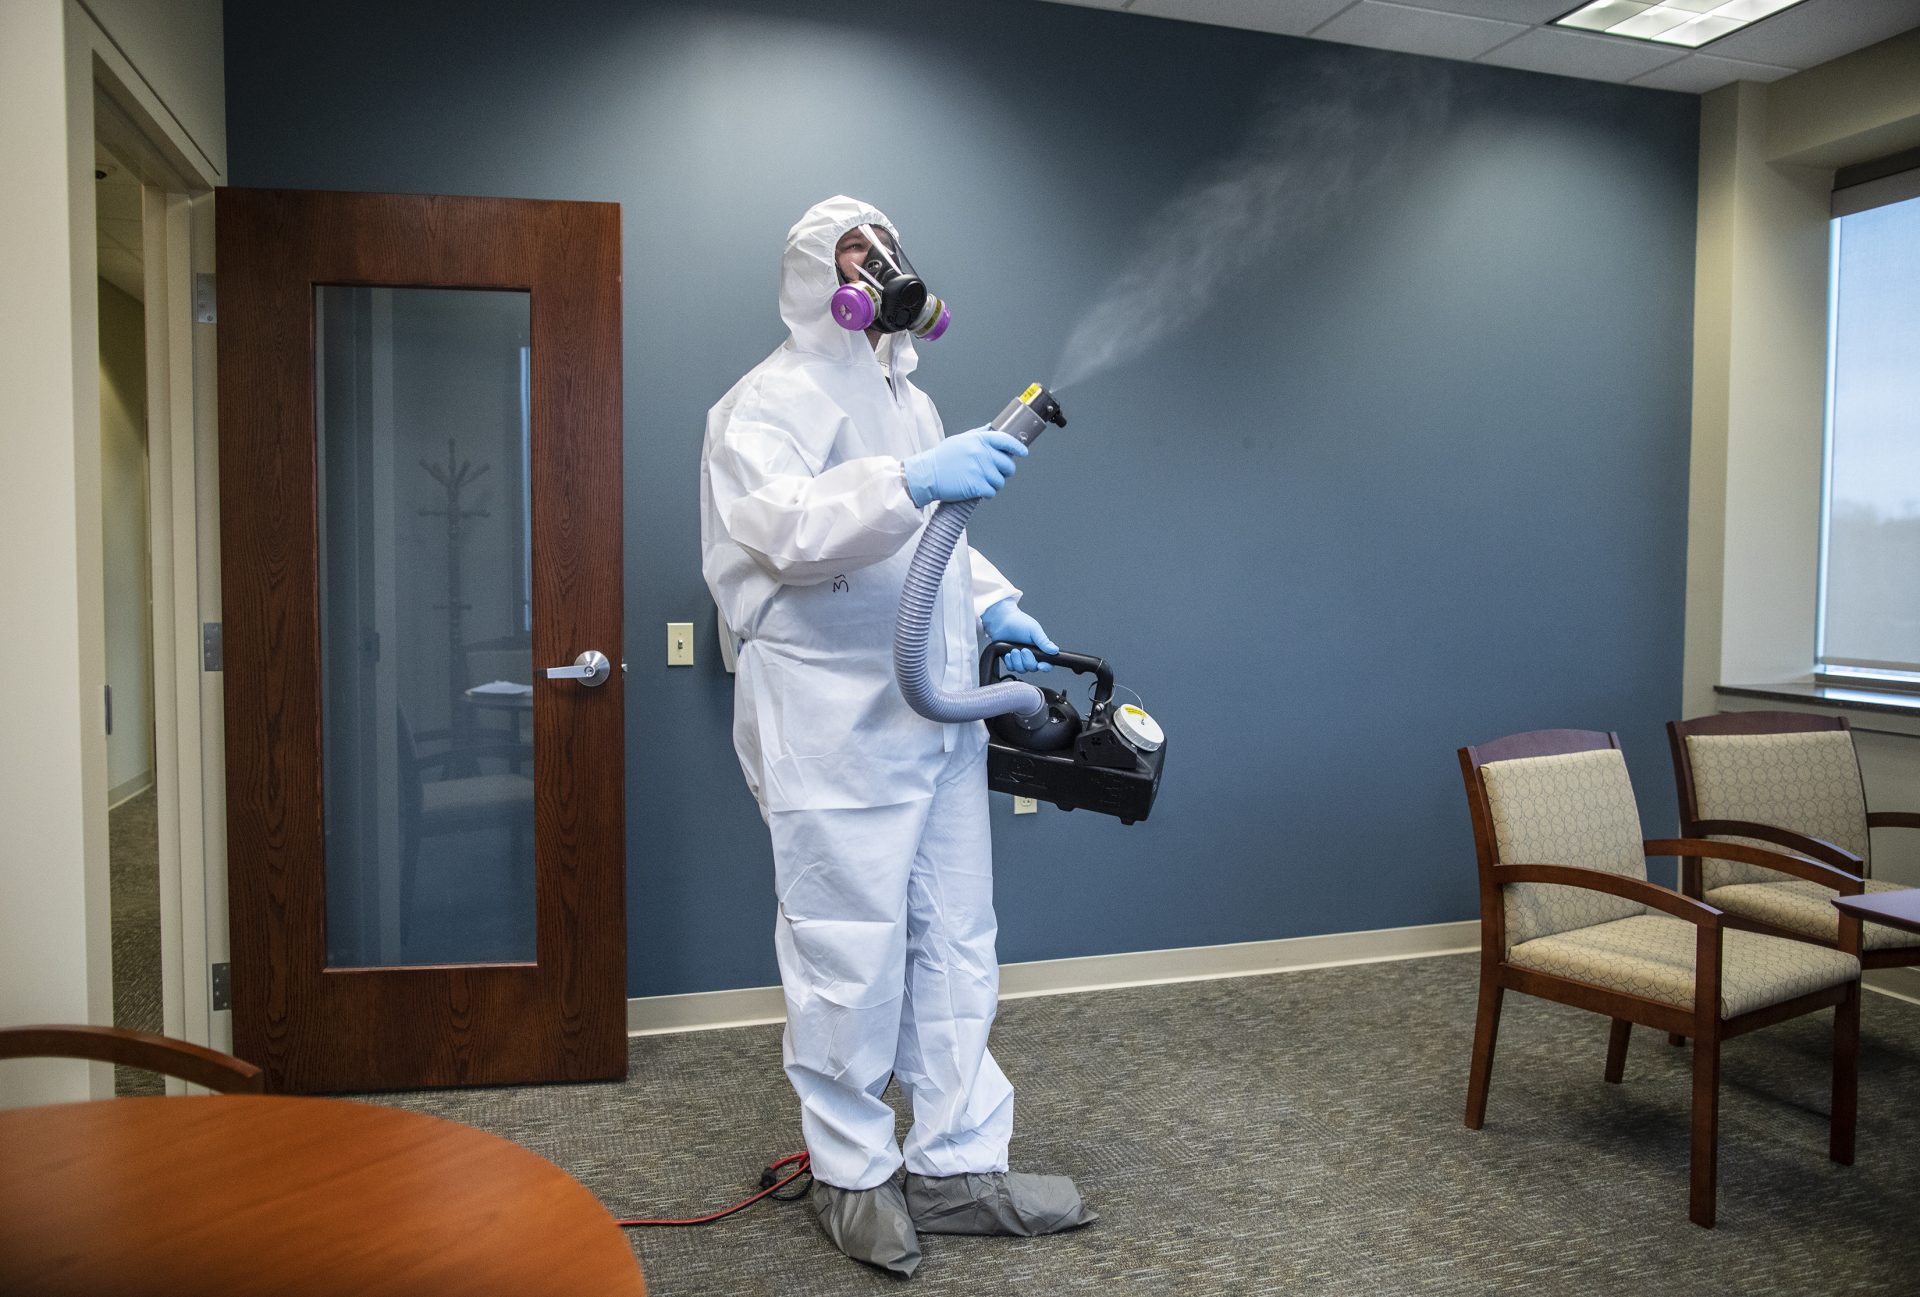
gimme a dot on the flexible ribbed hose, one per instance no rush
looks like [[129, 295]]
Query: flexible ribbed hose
[[916, 620]]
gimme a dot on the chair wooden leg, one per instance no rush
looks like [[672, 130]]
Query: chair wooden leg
[[1846, 1077], [1617, 1050], [1486, 1028], [1706, 1129], [1675, 1039]]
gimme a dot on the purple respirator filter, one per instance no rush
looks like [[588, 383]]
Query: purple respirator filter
[[853, 307]]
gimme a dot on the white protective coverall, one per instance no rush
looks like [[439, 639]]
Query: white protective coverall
[[882, 859]]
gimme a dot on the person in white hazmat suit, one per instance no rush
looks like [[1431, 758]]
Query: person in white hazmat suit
[[819, 470]]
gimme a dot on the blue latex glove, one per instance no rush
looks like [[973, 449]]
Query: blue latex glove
[[969, 466], [1005, 621]]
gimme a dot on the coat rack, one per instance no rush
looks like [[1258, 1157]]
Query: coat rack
[[454, 478]]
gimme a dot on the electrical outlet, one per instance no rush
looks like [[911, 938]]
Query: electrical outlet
[[1025, 805], [679, 643]]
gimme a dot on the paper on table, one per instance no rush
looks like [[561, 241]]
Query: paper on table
[[502, 688]]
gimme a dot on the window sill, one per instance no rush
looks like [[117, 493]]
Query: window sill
[[1890, 711]]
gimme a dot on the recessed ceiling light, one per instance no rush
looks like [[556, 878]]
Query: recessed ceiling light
[[1686, 23]]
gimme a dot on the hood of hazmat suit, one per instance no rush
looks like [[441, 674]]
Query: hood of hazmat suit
[[806, 532]]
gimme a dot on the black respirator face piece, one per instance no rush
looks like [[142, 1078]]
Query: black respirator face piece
[[886, 294]]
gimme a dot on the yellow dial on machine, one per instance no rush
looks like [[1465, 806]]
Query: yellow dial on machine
[[1138, 728]]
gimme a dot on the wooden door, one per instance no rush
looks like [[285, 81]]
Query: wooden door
[[420, 514]]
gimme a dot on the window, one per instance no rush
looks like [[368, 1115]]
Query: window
[[1870, 528]]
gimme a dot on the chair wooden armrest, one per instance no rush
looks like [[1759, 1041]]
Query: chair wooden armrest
[[163, 1054], [1893, 819], [1812, 870], [1660, 898], [1819, 848]]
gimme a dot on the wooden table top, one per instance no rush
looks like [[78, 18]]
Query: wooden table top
[[1899, 909], [245, 1194]]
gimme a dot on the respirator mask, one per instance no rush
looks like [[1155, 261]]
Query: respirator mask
[[886, 294]]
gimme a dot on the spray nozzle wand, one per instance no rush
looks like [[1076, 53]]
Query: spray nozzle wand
[[1025, 418], [1028, 414]]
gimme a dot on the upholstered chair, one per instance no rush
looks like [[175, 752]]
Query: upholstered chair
[[1567, 913], [443, 790], [1790, 782]]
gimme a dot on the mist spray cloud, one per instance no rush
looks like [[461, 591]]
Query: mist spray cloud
[[1320, 141]]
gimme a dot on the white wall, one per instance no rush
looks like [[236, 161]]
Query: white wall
[[177, 46], [1759, 381], [1767, 156], [1855, 109], [49, 690], [55, 952], [128, 588]]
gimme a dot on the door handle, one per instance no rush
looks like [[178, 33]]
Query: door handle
[[590, 668]]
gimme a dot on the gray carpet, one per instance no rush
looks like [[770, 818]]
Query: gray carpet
[[1297, 1133], [133, 848]]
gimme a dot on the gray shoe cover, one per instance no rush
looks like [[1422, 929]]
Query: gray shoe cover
[[1002, 1202], [870, 1225]]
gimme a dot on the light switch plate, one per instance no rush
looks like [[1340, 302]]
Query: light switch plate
[[1025, 806], [679, 643]]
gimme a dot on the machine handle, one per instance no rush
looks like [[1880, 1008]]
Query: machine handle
[[1082, 663]]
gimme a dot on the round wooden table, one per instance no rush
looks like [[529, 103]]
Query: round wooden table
[[263, 1194]]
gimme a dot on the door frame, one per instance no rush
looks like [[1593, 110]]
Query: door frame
[[109, 101]]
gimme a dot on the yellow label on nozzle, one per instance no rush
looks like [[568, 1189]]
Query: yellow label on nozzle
[[1026, 397]]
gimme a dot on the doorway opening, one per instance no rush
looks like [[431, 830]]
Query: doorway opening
[[127, 577], [155, 538]]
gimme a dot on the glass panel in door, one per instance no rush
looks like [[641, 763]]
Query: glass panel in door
[[423, 421]]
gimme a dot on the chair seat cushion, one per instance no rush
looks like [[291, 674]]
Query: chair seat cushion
[[478, 797], [1651, 955], [1800, 905]]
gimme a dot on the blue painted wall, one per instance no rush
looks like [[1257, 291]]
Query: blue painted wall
[[1417, 480]]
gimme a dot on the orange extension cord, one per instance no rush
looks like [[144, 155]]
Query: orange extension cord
[[770, 1186]]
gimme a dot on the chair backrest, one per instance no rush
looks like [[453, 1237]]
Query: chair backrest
[[507, 658], [1787, 769], [411, 777], [1552, 797], [163, 1054]]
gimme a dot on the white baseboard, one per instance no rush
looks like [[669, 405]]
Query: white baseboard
[[126, 792], [750, 1006], [758, 1005], [1900, 983]]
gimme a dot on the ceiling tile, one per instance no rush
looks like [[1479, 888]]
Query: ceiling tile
[[1571, 54], [1417, 31], [1818, 30], [1699, 73], [1513, 11], [1286, 17], [1808, 34]]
